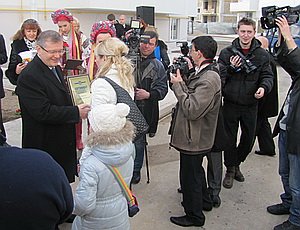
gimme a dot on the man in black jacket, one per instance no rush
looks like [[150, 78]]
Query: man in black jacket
[[48, 115], [288, 128], [122, 27], [245, 69], [151, 87]]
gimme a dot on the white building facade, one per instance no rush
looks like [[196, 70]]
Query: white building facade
[[171, 16]]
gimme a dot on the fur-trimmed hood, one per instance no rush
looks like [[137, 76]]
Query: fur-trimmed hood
[[112, 148]]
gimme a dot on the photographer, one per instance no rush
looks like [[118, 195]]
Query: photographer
[[288, 126], [151, 87], [194, 126], [245, 70]]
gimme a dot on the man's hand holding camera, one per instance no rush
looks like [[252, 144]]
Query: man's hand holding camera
[[176, 78], [235, 61], [285, 31]]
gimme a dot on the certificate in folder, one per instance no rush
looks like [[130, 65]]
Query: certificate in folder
[[80, 89]]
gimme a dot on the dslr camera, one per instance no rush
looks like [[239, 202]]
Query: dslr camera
[[270, 13], [181, 63], [246, 65]]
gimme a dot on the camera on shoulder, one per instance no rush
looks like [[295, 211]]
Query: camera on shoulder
[[270, 13]]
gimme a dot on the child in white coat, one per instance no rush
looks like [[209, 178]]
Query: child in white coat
[[99, 200]]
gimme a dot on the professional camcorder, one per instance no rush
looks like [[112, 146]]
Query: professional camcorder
[[246, 65], [270, 13]]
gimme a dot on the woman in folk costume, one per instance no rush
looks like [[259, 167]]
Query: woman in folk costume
[[100, 32], [64, 20]]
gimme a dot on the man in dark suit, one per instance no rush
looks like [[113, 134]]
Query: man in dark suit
[[48, 116], [121, 27]]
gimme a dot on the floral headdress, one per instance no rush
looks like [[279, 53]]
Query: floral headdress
[[102, 27], [61, 15]]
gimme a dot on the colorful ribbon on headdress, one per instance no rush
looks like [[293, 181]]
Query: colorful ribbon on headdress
[[61, 15], [102, 27]]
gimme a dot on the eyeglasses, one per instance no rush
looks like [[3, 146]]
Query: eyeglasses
[[52, 52]]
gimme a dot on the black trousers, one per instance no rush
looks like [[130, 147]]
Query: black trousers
[[264, 135], [245, 116], [214, 172], [193, 185]]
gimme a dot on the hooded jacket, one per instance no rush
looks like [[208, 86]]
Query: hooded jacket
[[99, 200], [240, 87]]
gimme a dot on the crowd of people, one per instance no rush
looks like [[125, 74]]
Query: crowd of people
[[214, 99]]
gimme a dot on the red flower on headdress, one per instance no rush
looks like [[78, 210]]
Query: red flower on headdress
[[102, 27], [61, 15]]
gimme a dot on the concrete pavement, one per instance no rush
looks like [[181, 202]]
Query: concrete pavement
[[243, 206]]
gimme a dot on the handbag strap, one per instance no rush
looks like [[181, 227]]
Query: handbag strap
[[128, 194]]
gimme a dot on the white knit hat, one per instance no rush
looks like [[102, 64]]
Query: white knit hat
[[108, 117]]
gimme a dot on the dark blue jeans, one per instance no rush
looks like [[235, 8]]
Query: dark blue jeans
[[139, 153], [289, 170]]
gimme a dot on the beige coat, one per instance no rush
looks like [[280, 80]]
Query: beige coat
[[195, 120]]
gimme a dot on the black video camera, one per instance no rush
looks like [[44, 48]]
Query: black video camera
[[184, 48], [246, 65], [180, 64], [135, 38], [270, 13]]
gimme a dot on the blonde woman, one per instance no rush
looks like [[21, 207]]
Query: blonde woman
[[112, 63]]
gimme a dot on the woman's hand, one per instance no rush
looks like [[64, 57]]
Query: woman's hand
[[20, 67]]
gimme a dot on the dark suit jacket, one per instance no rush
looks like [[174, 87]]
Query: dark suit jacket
[[120, 30], [17, 46], [48, 116]]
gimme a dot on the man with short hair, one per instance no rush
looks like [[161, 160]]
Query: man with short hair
[[151, 87], [194, 126], [122, 27], [48, 116], [245, 70]]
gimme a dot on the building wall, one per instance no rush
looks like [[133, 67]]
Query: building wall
[[14, 12]]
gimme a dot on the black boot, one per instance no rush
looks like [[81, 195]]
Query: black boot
[[229, 176], [238, 174]]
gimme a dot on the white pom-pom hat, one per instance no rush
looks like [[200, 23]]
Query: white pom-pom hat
[[108, 117]]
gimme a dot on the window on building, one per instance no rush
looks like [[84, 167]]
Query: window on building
[[205, 5], [214, 6], [204, 19], [174, 28], [213, 18], [249, 14], [199, 10]]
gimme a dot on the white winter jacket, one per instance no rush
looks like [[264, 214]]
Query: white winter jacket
[[99, 200], [103, 92]]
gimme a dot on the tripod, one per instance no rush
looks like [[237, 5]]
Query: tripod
[[134, 56]]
